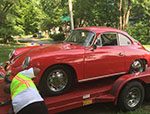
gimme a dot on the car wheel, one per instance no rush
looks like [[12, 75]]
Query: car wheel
[[56, 80], [131, 97], [137, 66]]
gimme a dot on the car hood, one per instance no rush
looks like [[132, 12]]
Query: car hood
[[57, 47], [45, 50]]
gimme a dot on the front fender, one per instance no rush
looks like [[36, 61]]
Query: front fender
[[118, 85]]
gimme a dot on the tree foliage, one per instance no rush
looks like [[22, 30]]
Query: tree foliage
[[96, 13], [19, 17], [29, 16], [139, 25], [54, 10], [6, 19]]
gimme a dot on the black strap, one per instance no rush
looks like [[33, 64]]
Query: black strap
[[3, 103], [7, 79]]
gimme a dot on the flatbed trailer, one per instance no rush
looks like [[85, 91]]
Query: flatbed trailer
[[102, 90]]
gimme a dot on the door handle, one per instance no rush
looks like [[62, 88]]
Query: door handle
[[121, 54]]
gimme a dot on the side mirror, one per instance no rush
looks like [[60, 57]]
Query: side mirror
[[94, 46]]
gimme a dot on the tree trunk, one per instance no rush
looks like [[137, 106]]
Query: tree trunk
[[120, 14], [127, 14], [124, 9]]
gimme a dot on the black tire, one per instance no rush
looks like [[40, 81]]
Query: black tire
[[47, 89], [147, 93], [125, 100], [141, 66]]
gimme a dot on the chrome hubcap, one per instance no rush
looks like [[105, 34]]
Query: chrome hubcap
[[57, 80], [137, 67], [133, 97]]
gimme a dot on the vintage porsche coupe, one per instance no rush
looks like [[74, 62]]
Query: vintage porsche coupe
[[89, 53]]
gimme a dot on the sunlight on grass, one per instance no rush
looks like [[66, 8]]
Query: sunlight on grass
[[147, 47]]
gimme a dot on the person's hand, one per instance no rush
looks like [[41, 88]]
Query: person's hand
[[36, 71], [7, 88], [4, 89]]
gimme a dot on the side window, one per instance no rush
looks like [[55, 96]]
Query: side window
[[109, 39], [123, 40]]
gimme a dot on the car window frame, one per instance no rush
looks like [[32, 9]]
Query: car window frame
[[99, 36], [94, 37], [126, 37]]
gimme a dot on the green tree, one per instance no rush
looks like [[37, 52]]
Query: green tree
[[19, 17], [5, 6], [54, 10], [139, 25], [28, 15], [6, 20], [97, 13]]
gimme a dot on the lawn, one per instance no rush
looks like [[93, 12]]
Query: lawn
[[147, 47], [6, 49]]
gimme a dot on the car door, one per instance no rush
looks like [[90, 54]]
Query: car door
[[107, 59]]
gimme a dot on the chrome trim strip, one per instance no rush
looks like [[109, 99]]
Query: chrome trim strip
[[98, 77]]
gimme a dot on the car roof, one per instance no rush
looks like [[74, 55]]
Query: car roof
[[98, 30]]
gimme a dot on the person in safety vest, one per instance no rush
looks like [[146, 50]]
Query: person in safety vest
[[24, 94]]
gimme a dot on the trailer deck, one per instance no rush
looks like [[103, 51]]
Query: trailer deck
[[102, 90], [83, 94]]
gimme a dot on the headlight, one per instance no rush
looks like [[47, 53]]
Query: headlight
[[11, 54], [26, 62]]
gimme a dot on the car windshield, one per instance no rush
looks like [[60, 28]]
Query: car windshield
[[81, 37]]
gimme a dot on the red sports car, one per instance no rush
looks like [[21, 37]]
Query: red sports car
[[89, 53]]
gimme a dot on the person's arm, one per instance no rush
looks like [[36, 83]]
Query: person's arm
[[28, 73], [7, 88]]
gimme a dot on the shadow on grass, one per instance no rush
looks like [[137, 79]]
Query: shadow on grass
[[107, 108]]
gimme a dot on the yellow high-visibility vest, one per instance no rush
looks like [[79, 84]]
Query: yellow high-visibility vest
[[20, 83]]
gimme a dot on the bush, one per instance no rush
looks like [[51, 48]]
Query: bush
[[8, 39], [58, 37], [140, 32]]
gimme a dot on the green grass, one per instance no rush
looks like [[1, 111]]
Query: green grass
[[147, 47], [142, 110], [6, 49]]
